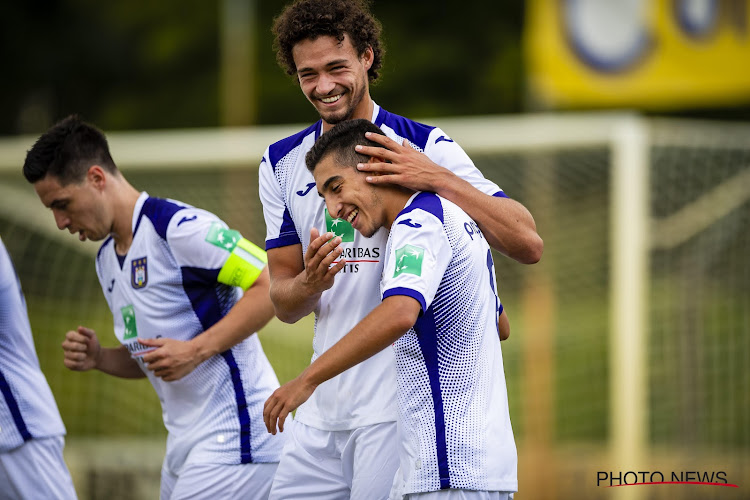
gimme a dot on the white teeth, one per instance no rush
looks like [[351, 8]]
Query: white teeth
[[352, 216], [329, 100]]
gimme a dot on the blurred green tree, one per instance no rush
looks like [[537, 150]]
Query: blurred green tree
[[143, 65]]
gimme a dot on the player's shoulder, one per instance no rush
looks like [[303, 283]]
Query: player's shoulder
[[280, 149], [425, 210], [420, 134], [159, 212]]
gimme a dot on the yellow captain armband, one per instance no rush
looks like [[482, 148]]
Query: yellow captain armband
[[244, 265]]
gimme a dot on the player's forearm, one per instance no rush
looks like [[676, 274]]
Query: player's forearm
[[116, 361], [292, 298], [379, 329], [251, 313], [506, 224]]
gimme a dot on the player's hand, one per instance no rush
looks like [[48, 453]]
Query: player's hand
[[170, 359], [285, 400], [81, 349], [323, 250], [401, 164]]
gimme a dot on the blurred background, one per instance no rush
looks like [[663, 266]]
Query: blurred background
[[623, 125]]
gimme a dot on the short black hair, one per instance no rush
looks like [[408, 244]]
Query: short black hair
[[310, 19], [67, 150], [340, 142]]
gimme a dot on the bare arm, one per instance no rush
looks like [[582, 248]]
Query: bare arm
[[503, 326], [507, 224], [82, 352], [173, 359], [296, 284], [383, 326]]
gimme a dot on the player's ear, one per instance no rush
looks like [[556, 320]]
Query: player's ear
[[96, 176], [375, 159], [368, 57]]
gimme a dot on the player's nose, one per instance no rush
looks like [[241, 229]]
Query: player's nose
[[61, 219], [325, 85]]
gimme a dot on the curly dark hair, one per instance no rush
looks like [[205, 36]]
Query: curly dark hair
[[66, 151], [309, 19]]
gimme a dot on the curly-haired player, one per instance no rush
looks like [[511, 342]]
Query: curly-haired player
[[344, 439]]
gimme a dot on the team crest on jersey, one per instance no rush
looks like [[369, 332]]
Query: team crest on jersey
[[339, 227], [409, 260], [139, 272]]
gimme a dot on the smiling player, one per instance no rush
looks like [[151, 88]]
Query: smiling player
[[440, 311]]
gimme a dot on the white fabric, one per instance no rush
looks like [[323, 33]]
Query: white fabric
[[36, 471], [363, 395], [337, 465], [461, 495], [168, 282], [218, 482], [453, 405]]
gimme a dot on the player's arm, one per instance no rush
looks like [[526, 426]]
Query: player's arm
[[503, 325], [296, 281], [246, 268], [507, 224], [383, 326], [82, 352]]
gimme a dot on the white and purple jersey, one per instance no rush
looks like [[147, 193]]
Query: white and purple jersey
[[365, 394], [166, 286], [453, 404], [27, 407]]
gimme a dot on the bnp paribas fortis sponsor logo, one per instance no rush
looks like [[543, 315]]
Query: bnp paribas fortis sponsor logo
[[339, 227], [409, 260], [354, 256]]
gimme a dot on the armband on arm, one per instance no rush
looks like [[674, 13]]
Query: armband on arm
[[244, 265]]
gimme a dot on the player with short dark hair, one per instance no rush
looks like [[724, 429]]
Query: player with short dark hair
[[186, 294], [439, 312]]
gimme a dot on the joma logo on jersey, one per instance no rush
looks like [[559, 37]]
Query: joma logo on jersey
[[139, 272], [409, 260], [339, 227]]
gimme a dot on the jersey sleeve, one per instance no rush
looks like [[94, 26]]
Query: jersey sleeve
[[280, 230], [203, 245], [441, 149], [417, 257]]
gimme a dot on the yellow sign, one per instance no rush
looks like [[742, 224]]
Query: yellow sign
[[655, 54]]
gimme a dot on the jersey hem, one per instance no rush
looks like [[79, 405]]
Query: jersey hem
[[283, 241], [343, 425], [510, 487]]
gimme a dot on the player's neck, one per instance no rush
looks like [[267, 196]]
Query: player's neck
[[124, 199], [395, 201]]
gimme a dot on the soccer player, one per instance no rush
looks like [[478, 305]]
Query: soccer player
[[439, 309], [31, 430], [173, 276], [344, 437]]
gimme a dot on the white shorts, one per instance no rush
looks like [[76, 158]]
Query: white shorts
[[452, 494], [357, 464], [218, 482], [36, 469]]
